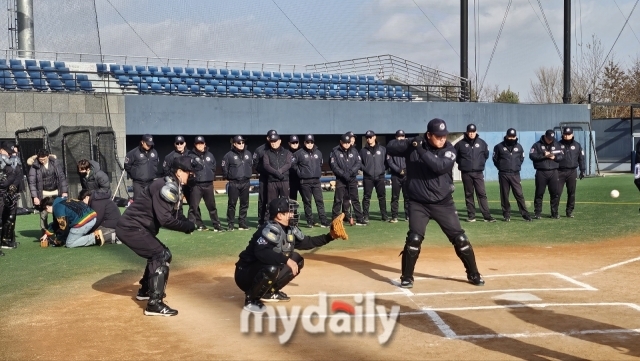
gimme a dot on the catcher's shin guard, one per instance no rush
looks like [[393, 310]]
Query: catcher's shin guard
[[8, 229], [464, 251], [263, 282], [287, 276], [410, 255], [158, 283]]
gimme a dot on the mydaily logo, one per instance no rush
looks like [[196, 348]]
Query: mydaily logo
[[343, 318]]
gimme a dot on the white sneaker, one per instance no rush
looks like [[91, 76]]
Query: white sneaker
[[254, 306]]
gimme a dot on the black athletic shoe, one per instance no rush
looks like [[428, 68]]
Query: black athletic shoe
[[217, 228], [243, 227], [202, 228], [475, 279], [276, 297], [142, 295], [490, 220], [471, 219], [527, 218], [507, 219], [407, 283], [230, 228], [365, 220], [254, 306], [309, 225], [159, 308], [1, 253], [570, 215], [9, 245], [537, 216], [385, 219], [555, 216]]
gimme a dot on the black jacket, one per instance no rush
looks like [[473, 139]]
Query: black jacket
[[573, 155], [373, 161], [261, 250], [141, 165], [11, 173], [208, 173], [429, 178], [151, 211], [540, 162], [107, 212], [258, 154], [397, 165], [293, 173], [168, 160], [508, 157], [308, 163], [97, 180], [276, 164], [345, 164], [236, 165], [36, 185], [471, 154]]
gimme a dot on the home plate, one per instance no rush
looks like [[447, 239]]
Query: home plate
[[518, 297]]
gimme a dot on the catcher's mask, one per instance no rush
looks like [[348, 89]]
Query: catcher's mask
[[293, 210]]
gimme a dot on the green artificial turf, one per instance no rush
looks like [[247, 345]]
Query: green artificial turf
[[29, 270]]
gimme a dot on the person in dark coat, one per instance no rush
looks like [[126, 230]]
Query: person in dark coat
[[237, 169], [46, 179], [141, 164], [10, 187], [546, 154], [398, 169], [107, 212], [202, 187], [92, 178]]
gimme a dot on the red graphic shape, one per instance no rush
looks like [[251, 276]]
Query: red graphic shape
[[341, 306]]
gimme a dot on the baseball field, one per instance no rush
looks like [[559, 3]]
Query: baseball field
[[555, 290]]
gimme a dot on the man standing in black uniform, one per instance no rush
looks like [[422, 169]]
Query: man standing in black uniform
[[236, 168], [398, 167], [269, 262], [294, 180], [471, 155], [345, 164], [307, 162], [141, 164], [508, 156], [373, 157], [180, 149], [157, 207], [202, 186], [10, 187], [573, 158], [346, 203], [276, 162], [546, 155], [258, 155], [430, 192]]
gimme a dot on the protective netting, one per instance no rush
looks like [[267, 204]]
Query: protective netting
[[76, 145], [29, 141], [107, 156]]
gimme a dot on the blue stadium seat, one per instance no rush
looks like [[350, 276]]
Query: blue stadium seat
[[213, 71], [195, 89], [313, 90], [234, 74], [244, 75], [297, 77], [201, 71], [266, 75], [66, 76], [40, 84], [82, 77], [189, 82], [272, 85], [268, 92], [33, 67], [371, 79], [30, 62], [178, 70], [276, 76], [214, 82], [203, 82], [86, 86], [135, 80], [56, 86], [322, 91], [373, 95], [145, 73], [45, 63], [255, 75], [127, 68], [315, 78], [19, 74], [140, 68], [189, 71], [62, 70], [13, 62], [287, 77], [221, 90], [206, 76], [3, 61], [258, 90], [362, 94], [48, 69], [23, 84], [143, 88], [165, 70], [326, 78], [55, 76], [17, 66], [292, 89], [170, 88], [224, 73], [209, 90], [123, 80], [4, 67], [233, 90], [221, 75], [71, 85], [163, 81], [245, 90], [115, 70], [58, 64], [34, 74], [157, 88], [236, 83], [306, 77], [353, 91], [176, 81], [171, 75], [280, 91], [152, 69]]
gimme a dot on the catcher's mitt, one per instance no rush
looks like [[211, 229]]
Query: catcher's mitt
[[337, 228]]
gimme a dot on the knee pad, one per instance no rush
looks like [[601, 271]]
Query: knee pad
[[413, 244], [167, 256], [461, 243]]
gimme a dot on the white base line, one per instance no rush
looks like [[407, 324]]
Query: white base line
[[535, 305], [575, 282], [611, 266], [405, 291], [544, 334], [442, 326]]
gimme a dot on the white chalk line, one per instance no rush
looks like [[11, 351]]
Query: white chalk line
[[543, 334], [611, 266], [439, 322]]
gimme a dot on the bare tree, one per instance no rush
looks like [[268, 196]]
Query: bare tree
[[548, 87]]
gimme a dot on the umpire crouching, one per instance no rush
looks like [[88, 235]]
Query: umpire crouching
[[546, 155], [138, 227], [472, 154]]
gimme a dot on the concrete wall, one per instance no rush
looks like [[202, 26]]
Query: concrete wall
[[20, 110]]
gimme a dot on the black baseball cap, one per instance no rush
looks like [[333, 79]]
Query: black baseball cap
[[437, 127], [8, 146], [471, 128], [187, 164], [567, 131], [148, 138], [550, 134], [345, 138], [309, 138], [511, 132], [350, 134], [271, 132], [294, 139], [400, 132], [278, 205], [369, 134], [199, 139], [238, 139], [274, 137], [179, 139]]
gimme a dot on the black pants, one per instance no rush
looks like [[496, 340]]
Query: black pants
[[309, 188], [262, 192], [397, 185], [474, 182], [246, 275], [511, 182], [294, 187], [8, 211], [547, 179], [238, 189], [444, 213], [347, 191], [138, 188], [568, 177], [369, 184], [145, 245], [198, 192], [275, 190]]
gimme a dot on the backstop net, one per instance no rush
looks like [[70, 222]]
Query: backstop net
[[76, 145], [107, 156]]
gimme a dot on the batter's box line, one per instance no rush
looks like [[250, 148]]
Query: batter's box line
[[450, 334]]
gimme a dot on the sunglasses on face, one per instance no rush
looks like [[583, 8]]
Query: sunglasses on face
[[309, 142], [240, 142], [180, 143], [294, 143]]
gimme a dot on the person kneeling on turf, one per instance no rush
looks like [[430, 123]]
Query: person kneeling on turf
[[269, 262], [72, 223]]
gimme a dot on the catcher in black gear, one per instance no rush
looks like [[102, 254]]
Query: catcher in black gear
[[10, 184]]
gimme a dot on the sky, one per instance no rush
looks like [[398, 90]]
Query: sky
[[313, 31]]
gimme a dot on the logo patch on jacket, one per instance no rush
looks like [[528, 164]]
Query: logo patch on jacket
[[477, 145], [153, 155], [573, 147], [261, 241], [533, 150], [208, 159], [514, 149]]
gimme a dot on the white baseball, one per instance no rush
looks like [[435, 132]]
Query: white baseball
[[615, 194]]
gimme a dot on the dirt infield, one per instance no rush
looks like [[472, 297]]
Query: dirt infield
[[539, 303]]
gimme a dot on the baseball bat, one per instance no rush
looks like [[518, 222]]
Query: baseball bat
[[120, 181]]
